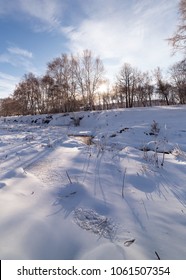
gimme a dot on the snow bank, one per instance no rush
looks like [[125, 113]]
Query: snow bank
[[123, 197]]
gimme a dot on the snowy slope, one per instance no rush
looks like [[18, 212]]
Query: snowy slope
[[123, 197]]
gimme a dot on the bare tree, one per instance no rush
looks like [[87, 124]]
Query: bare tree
[[89, 74], [47, 102], [27, 94], [178, 78], [126, 85], [33, 93], [144, 89], [21, 97], [63, 71], [164, 88], [178, 40], [58, 90], [73, 104], [58, 70], [9, 107], [116, 96]]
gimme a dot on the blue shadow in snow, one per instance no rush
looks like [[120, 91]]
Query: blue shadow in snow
[[142, 183]]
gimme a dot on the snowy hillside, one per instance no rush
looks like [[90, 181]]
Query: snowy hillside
[[121, 197]]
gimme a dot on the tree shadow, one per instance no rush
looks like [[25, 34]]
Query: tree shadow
[[142, 183], [69, 197], [176, 188]]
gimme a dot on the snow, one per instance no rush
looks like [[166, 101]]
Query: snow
[[122, 197]]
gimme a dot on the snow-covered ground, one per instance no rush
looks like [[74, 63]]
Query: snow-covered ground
[[123, 197]]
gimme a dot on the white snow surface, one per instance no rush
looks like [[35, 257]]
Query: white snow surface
[[122, 197]]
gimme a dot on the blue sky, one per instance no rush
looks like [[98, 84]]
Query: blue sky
[[33, 32]]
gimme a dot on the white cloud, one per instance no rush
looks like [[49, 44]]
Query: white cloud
[[7, 84], [20, 52], [5, 58], [126, 31], [119, 31], [44, 15], [18, 57], [46, 12], [109, 38]]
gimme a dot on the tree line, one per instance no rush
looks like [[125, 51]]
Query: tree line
[[74, 82], [69, 83]]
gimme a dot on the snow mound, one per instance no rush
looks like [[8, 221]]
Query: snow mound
[[98, 224]]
